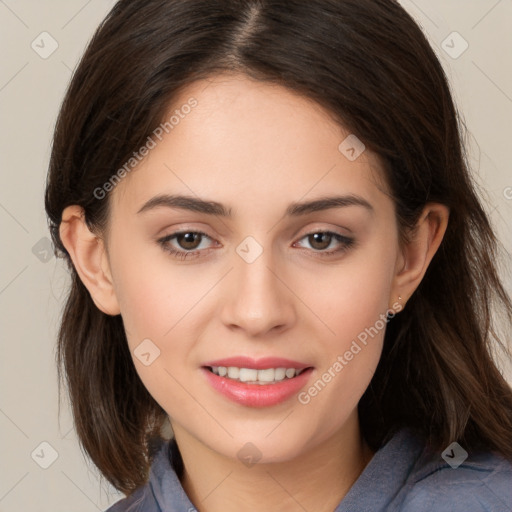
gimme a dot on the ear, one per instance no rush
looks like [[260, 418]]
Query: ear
[[417, 254], [89, 258]]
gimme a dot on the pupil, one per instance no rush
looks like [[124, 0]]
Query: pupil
[[317, 238]]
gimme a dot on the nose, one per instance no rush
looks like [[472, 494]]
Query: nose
[[258, 298]]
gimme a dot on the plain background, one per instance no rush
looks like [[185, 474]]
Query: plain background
[[33, 283]]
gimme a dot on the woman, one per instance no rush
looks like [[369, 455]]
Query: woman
[[275, 244]]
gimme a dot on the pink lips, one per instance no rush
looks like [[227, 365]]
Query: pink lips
[[257, 395]]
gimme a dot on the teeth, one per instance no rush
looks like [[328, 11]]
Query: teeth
[[289, 372], [233, 372], [254, 376], [245, 374], [265, 375], [280, 373]]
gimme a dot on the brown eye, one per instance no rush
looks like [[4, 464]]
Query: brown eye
[[189, 240], [185, 244], [320, 241]]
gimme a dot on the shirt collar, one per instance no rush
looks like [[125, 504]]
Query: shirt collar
[[385, 475]]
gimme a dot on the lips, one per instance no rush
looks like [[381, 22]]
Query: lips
[[257, 394]]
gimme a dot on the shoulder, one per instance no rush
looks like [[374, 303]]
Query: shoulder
[[482, 483], [142, 500]]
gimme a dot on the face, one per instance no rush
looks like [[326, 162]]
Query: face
[[256, 277]]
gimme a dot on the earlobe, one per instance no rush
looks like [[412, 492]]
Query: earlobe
[[87, 251], [417, 254]]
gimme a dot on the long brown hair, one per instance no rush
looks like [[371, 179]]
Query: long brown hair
[[369, 64]]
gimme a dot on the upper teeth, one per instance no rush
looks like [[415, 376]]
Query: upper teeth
[[253, 375]]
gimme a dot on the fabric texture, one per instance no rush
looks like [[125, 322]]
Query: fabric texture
[[403, 476]]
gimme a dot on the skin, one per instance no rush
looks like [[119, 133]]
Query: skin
[[255, 148]]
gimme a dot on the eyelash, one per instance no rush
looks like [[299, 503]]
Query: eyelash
[[346, 242]]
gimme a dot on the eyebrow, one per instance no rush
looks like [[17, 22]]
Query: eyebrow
[[214, 208]]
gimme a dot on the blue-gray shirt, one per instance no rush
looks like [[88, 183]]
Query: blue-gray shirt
[[403, 475]]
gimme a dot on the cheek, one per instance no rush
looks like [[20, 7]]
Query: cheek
[[357, 293], [153, 293], [348, 358]]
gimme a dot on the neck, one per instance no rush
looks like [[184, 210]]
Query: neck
[[317, 479]]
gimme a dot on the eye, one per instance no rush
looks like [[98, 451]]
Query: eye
[[190, 241], [321, 240]]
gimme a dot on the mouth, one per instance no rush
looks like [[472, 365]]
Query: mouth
[[257, 383]]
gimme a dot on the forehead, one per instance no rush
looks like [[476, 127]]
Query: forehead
[[248, 140]]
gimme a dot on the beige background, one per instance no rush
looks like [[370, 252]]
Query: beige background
[[33, 283]]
